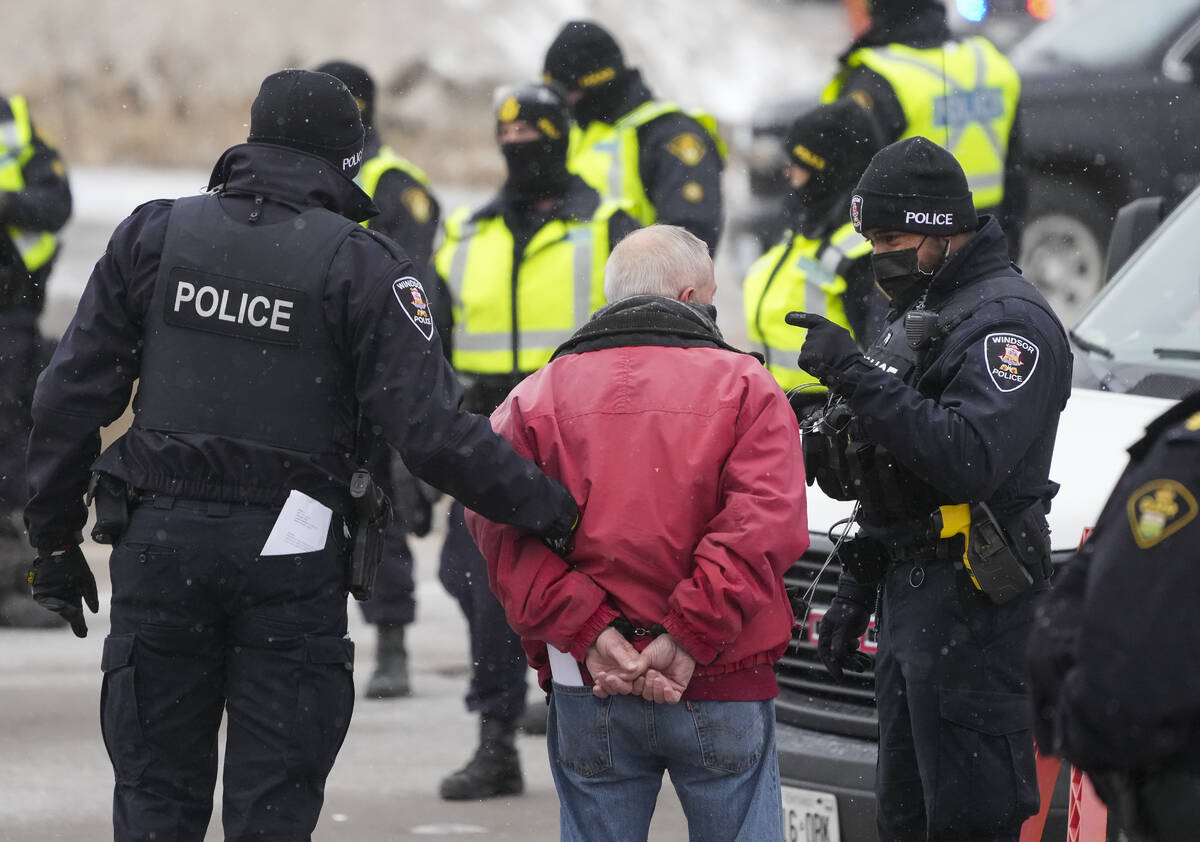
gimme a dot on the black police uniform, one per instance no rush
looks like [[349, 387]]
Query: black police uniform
[[497, 687], [969, 418], [409, 214], [1113, 643], [255, 358], [42, 204]]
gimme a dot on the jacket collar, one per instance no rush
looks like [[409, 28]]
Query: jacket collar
[[290, 177], [579, 202], [648, 320]]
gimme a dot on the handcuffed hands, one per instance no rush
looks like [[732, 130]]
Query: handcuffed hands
[[659, 673]]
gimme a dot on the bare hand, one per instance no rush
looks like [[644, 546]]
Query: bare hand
[[668, 673], [614, 664]]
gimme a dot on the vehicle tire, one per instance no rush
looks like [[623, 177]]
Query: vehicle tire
[[1063, 244]]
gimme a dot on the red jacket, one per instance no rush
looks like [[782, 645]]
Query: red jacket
[[687, 466]]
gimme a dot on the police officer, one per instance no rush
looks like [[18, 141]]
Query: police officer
[[35, 202], [627, 144], [408, 213], [909, 72], [522, 273], [265, 328], [1111, 648], [821, 264], [943, 431]]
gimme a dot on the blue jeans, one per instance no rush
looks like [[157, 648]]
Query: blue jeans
[[608, 757]]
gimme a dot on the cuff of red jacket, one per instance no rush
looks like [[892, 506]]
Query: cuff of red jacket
[[678, 628], [595, 624]]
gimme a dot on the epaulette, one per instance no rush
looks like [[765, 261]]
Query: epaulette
[[1187, 407]]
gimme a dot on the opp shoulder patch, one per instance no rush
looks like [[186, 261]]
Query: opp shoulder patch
[[687, 148], [417, 202], [1159, 509], [414, 303], [1010, 359]]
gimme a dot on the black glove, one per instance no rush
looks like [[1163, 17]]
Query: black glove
[[562, 543], [61, 580], [829, 351], [837, 636]]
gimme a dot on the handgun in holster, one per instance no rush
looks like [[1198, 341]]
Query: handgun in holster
[[111, 498], [372, 514], [986, 553]]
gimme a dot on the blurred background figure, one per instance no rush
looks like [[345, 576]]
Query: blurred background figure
[[907, 69], [521, 274], [627, 144], [35, 202], [408, 213], [821, 264]]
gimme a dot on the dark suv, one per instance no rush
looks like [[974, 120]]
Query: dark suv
[[1110, 111], [1137, 349]]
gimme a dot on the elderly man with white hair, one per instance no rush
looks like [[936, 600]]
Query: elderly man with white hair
[[686, 459]]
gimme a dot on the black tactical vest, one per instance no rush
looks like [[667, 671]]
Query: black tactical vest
[[841, 457], [235, 343]]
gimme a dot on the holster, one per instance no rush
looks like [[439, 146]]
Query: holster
[[373, 513], [987, 553], [111, 498]]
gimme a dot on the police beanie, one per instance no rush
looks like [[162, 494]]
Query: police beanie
[[360, 83], [583, 55], [834, 142], [310, 111], [913, 185], [542, 106]]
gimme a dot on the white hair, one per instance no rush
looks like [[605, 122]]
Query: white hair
[[658, 260]]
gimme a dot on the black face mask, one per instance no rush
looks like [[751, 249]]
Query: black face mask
[[899, 273], [536, 168]]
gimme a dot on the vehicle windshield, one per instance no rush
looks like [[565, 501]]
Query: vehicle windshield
[[1153, 319], [1101, 33]]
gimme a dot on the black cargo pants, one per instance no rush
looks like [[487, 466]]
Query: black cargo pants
[[202, 624], [956, 757]]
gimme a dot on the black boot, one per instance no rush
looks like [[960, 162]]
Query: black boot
[[390, 679], [494, 770]]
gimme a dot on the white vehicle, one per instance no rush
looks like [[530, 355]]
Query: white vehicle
[[1137, 350]]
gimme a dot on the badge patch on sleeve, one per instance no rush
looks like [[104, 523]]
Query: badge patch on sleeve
[[1010, 359], [1158, 509], [415, 305], [687, 148]]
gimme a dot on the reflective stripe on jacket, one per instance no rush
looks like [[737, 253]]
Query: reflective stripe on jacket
[[606, 155], [16, 148], [797, 274], [508, 319], [962, 95]]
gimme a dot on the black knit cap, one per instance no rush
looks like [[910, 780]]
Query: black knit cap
[[359, 81], [542, 106], [834, 142], [582, 56], [310, 111], [913, 185]]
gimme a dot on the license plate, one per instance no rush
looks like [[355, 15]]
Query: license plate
[[810, 816]]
